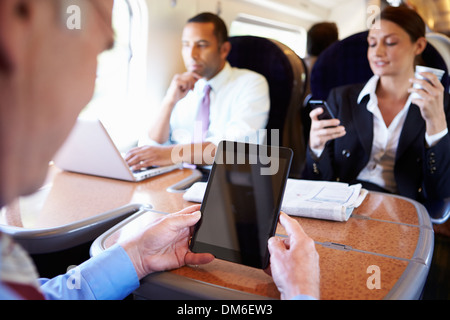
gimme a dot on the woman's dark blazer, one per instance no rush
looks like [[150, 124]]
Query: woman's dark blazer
[[421, 173]]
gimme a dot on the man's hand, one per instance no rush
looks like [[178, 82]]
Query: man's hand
[[164, 244], [180, 86], [148, 156], [294, 262]]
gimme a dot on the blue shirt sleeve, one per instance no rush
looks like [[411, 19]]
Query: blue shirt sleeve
[[108, 276]]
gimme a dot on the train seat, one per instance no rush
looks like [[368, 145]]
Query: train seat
[[286, 75], [442, 44]]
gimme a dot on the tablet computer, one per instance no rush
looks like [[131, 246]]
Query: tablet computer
[[242, 202]]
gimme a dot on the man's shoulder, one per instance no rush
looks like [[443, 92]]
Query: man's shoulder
[[244, 72], [245, 78]]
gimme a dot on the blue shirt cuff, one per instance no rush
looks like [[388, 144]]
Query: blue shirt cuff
[[108, 276], [303, 297], [111, 275]]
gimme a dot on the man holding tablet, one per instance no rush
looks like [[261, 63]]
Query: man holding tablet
[[38, 106], [240, 211]]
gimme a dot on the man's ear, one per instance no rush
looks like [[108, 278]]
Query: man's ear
[[5, 63], [13, 15], [225, 49], [22, 9]]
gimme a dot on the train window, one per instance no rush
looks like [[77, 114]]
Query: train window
[[292, 36], [121, 75]]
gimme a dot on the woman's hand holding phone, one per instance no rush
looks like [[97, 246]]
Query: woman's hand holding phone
[[324, 126]]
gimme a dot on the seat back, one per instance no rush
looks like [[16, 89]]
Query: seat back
[[345, 62], [442, 44], [286, 76]]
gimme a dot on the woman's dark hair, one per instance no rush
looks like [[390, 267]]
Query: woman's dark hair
[[406, 18], [220, 29]]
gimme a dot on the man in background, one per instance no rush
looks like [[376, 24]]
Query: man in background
[[319, 37], [237, 101]]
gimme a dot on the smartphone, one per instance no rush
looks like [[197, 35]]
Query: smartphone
[[327, 113]]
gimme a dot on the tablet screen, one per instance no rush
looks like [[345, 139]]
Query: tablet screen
[[242, 202]]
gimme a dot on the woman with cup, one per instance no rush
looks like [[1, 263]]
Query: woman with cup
[[391, 133]]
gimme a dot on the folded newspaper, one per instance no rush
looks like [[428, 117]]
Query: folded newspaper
[[307, 198]]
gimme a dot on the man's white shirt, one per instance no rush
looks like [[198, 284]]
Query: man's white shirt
[[239, 108]]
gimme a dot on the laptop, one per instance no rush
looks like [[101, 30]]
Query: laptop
[[90, 150]]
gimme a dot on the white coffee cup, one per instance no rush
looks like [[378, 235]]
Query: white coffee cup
[[438, 72]]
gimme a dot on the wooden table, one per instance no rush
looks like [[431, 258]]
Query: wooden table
[[387, 232], [390, 233], [73, 208]]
